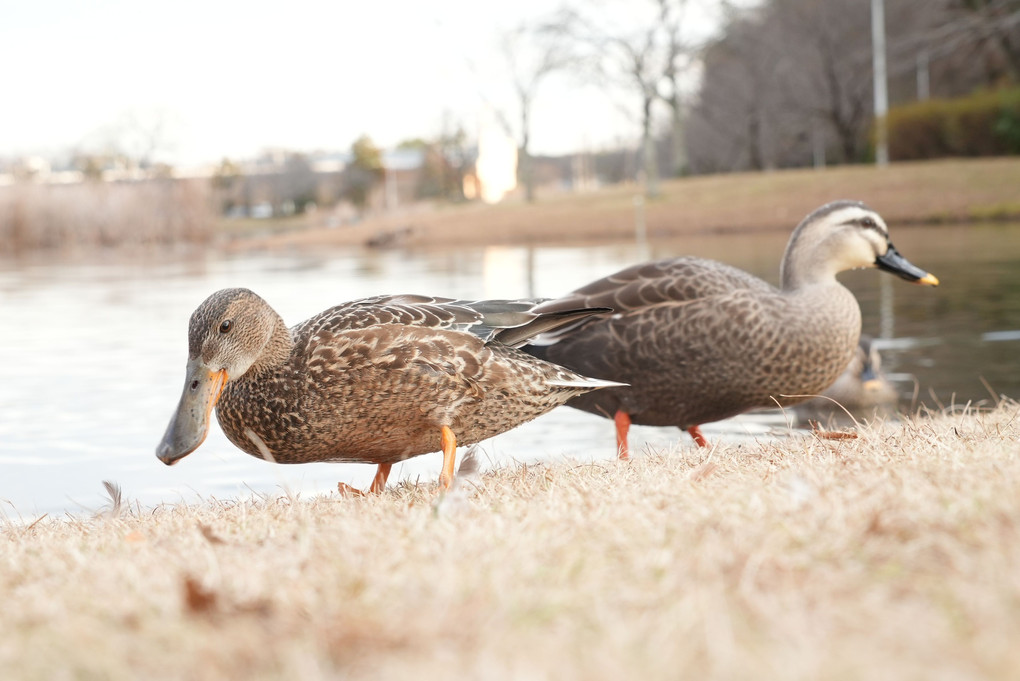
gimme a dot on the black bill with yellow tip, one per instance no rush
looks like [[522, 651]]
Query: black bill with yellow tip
[[893, 262]]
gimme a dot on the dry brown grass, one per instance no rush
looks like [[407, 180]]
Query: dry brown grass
[[891, 556], [929, 192]]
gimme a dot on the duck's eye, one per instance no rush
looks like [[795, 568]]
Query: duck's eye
[[226, 326], [868, 222]]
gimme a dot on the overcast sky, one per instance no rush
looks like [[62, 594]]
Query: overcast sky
[[231, 77]]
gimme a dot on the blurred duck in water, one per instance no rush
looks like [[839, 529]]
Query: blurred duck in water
[[861, 389]]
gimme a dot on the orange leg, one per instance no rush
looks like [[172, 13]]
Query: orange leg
[[348, 491], [379, 482], [622, 420], [699, 438], [449, 458]]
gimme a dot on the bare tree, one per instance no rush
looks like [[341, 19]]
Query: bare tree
[[680, 57], [446, 160], [531, 55], [146, 134], [642, 54], [995, 26], [790, 80], [746, 116], [636, 56], [134, 141], [830, 42], [788, 76]]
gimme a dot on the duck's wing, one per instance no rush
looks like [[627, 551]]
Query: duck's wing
[[673, 282], [510, 322], [664, 281]]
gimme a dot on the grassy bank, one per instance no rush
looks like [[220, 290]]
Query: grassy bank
[[893, 555], [958, 190], [102, 215], [934, 192]]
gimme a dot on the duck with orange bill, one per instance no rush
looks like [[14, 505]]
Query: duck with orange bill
[[377, 380]]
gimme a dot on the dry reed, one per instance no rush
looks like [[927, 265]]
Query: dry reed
[[104, 215]]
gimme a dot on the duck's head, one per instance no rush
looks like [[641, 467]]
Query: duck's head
[[840, 236], [228, 334]]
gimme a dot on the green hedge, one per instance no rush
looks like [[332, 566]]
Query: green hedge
[[983, 124]]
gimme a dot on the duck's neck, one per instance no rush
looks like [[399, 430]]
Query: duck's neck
[[802, 268], [794, 282], [276, 351]]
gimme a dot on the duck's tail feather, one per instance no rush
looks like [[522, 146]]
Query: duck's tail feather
[[586, 383], [544, 323]]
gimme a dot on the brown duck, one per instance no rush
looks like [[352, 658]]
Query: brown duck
[[377, 380], [698, 341]]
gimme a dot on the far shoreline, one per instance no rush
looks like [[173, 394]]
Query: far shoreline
[[925, 194]]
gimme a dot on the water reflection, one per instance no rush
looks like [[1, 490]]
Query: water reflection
[[93, 356]]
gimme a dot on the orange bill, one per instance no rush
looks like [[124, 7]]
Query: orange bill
[[190, 423], [872, 385]]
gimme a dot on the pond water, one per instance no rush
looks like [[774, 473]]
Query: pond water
[[92, 356]]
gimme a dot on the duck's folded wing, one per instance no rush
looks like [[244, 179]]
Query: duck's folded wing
[[673, 282], [408, 310], [511, 322], [665, 281]]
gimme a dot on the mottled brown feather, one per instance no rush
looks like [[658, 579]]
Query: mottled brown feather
[[374, 380]]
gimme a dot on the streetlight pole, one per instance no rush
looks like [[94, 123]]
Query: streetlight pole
[[881, 89]]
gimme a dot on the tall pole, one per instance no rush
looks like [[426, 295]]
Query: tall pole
[[881, 90], [923, 87]]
